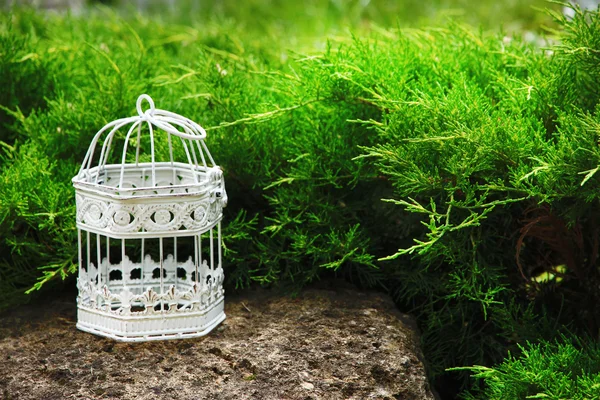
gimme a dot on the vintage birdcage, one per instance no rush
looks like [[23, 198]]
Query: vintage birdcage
[[149, 230]]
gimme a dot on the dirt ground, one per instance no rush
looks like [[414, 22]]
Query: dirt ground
[[323, 344]]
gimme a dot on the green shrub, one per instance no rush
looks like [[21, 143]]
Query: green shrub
[[494, 143], [484, 148], [548, 370]]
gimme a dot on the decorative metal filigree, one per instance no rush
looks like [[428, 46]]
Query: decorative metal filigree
[[193, 296], [111, 216]]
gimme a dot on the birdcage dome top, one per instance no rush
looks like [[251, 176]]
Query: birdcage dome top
[[153, 154], [150, 175]]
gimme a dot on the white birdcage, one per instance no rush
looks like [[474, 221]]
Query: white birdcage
[[149, 230]]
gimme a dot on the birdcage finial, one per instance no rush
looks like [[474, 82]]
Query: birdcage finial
[[138, 105]]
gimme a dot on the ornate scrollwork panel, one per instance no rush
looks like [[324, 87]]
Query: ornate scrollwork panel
[[117, 218]]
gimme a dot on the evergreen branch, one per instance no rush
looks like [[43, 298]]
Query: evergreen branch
[[105, 56], [589, 174], [263, 117], [337, 263], [51, 271], [490, 204]]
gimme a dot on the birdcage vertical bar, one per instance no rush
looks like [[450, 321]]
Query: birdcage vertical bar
[[219, 244], [196, 240], [173, 174], [200, 254], [201, 155], [107, 261], [143, 257], [187, 153], [175, 251], [208, 153], [89, 251], [212, 257], [124, 262], [174, 279], [124, 156], [79, 255], [195, 161], [152, 155], [178, 279], [98, 258], [137, 147], [162, 290]]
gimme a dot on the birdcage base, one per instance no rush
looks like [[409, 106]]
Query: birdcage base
[[161, 326]]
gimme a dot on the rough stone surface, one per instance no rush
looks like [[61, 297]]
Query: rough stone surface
[[323, 344]]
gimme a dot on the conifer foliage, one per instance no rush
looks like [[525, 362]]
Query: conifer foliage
[[454, 168]]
